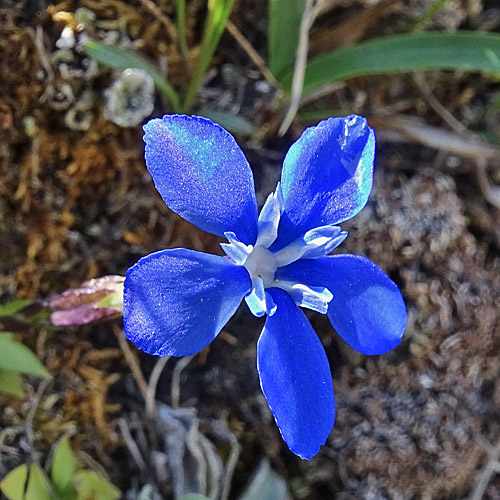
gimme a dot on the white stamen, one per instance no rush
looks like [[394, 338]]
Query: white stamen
[[261, 263]]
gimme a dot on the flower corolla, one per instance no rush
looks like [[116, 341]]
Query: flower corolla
[[176, 301]]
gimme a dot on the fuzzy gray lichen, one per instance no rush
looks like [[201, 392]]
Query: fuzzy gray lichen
[[131, 98]]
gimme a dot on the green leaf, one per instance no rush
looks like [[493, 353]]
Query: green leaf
[[283, 34], [63, 466], [265, 485], [14, 484], [18, 358], [463, 50], [218, 14], [91, 486], [120, 59], [234, 123], [11, 383], [14, 306]]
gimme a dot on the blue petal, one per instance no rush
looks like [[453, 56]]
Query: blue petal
[[295, 377], [367, 308], [202, 174], [176, 301], [327, 176]]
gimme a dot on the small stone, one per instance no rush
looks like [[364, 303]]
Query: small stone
[[67, 39], [131, 98]]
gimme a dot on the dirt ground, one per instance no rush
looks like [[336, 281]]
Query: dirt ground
[[76, 202]]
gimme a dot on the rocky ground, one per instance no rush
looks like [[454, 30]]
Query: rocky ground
[[76, 202]]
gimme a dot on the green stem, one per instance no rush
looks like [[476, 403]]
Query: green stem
[[218, 14], [180, 11], [431, 11]]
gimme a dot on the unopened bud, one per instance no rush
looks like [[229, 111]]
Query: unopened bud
[[96, 299]]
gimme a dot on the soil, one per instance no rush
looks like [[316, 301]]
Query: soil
[[76, 202]]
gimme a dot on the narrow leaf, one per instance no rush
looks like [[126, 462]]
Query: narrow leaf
[[429, 13], [63, 466], [466, 51], [218, 14], [18, 358], [14, 484], [283, 34], [180, 15], [11, 383], [13, 307], [120, 59]]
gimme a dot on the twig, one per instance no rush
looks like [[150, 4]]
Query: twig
[[132, 361], [411, 129], [153, 382], [467, 145], [28, 429], [42, 52], [175, 390], [28, 426], [90, 462], [300, 66], [169, 25], [131, 444], [488, 470], [251, 53], [44, 61], [490, 192], [320, 92], [222, 432], [457, 126], [323, 6]]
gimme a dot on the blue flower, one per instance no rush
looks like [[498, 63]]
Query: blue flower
[[177, 301]]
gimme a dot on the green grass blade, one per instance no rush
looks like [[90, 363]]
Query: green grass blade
[[427, 16], [283, 34], [218, 14], [180, 14], [120, 59], [466, 51]]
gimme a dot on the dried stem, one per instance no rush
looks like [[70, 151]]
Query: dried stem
[[300, 66], [131, 359], [251, 53], [153, 382]]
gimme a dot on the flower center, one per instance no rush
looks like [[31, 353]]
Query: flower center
[[263, 264]]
